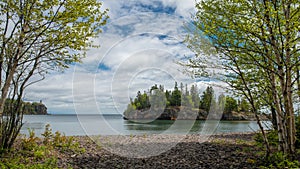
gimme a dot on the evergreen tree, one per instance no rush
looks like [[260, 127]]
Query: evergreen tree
[[141, 101], [182, 88], [153, 88], [207, 99], [176, 96], [195, 96], [168, 97], [187, 101], [230, 105], [186, 90], [186, 98], [161, 88], [158, 99]]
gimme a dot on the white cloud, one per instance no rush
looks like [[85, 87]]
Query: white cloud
[[183, 8], [138, 50]]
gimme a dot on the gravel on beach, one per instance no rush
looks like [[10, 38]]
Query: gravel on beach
[[233, 150]]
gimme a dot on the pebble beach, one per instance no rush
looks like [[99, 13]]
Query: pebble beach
[[234, 150]]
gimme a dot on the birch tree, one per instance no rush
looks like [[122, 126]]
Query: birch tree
[[37, 37], [254, 47]]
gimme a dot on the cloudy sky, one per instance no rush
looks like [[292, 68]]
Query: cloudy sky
[[140, 46]]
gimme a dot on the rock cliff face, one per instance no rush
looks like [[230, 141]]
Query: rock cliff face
[[184, 113], [36, 108]]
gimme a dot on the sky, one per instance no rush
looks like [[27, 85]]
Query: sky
[[140, 46]]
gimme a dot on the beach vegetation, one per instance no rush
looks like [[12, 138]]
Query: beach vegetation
[[40, 152], [279, 160]]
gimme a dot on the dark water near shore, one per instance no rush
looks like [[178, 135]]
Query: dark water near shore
[[115, 125]]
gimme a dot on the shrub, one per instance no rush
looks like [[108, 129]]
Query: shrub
[[37, 152], [30, 142], [47, 134], [279, 160], [276, 160], [272, 138]]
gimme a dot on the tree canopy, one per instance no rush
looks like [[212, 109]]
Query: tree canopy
[[256, 45], [156, 97], [36, 37]]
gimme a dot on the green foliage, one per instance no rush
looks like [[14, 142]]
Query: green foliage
[[158, 98], [230, 104], [187, 101], [195, 96], [175, 96], [141, 101], [53, 28], [38, 37], [279, 161], [254, 48], [28, 108], [17, 163], [31, 142], [66, 143], [60, 141], [47, 134], [40, 152], [207, 99], [272, 138], [244, 106]]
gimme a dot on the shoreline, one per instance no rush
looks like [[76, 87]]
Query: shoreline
[[124, 118], [176, 134], [231, 150], [76, 126]]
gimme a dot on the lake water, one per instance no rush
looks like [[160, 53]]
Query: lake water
[[115, 125]]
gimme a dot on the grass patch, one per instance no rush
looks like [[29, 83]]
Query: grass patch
[[276, 159], [40, 153]]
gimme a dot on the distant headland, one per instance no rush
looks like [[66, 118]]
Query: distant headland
[[30, 108]]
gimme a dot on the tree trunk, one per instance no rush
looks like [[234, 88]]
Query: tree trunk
[[282, 146], [298, 85], [289, 108], [11, 70], [274, 117], [4, 91], [268, 150]]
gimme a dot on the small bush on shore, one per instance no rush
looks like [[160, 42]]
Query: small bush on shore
[[279, 160], [34, 152], [276, 159], [272, 138], [30, 142]]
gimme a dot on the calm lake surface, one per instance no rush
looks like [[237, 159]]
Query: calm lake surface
[[115, 125]]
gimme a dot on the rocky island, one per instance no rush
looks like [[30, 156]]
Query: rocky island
[[184, 104], [183, 113]]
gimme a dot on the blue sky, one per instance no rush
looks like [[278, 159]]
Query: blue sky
[[140, 46]]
